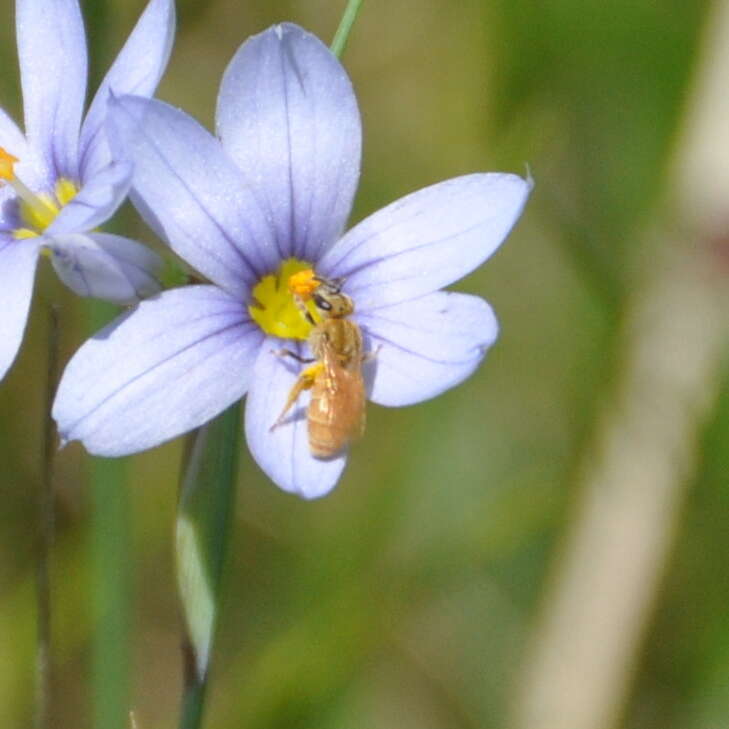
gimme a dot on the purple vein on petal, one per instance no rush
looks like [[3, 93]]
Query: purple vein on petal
[[407, 350], [251, 327], [208, 214]]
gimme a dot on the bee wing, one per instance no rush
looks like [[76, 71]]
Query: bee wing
[[337, 409]]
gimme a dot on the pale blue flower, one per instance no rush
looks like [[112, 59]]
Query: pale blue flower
[[278, 185], [61, 182]]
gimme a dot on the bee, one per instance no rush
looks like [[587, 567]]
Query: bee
[[336, 413]]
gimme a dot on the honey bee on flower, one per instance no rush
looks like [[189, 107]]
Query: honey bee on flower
[[336, 412], [264, 200]]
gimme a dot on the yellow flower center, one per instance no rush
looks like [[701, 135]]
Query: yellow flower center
[[37, 211], [274, 308]]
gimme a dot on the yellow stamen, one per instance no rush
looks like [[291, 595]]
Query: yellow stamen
[[24, 233], [37, 211], [7, 164], [275, 309], [65, 191]]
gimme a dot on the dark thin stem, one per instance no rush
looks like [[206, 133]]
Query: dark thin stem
[[46, 529], [194, 689], [345, 26]]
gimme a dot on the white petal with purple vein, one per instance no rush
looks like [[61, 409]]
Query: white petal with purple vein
[[28, 168], [426, 240], [18, 260], [168, 366], [105, 266], [288, 116], [136, 70], [96, 202], [425, 346], [192, 194], [52, 53], [284, 454]]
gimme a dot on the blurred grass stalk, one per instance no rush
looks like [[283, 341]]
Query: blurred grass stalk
[[110, 540], [46, 532], [351, 11], [111, 577], [635, 475], [207, 498]]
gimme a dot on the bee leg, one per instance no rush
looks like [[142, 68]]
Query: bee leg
[[305, 381], [369, 356], [301, 306], [289, 353]]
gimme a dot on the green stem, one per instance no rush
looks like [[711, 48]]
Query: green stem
[[193, 699], [111, 582], [207, 497], [46, 531], [345, 26]]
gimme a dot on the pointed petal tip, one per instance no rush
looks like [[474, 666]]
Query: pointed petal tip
[[427, 239], [528, 177]]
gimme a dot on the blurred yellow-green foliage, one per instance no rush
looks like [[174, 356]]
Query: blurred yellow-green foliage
[[406, 598]]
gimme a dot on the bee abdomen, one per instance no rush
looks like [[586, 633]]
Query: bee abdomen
[[326, 438]]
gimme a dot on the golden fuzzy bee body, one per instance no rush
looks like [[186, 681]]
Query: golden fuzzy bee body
[[336, 412]]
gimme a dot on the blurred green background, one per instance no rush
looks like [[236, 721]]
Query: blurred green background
[[408, 596]]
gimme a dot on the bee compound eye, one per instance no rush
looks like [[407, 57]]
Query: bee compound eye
[[322, 303]]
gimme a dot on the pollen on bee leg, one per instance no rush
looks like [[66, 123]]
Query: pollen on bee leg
[[303, 283]]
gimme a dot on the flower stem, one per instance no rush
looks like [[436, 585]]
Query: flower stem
[[345, 26], [44, 674], [111, 589], [207, 496]]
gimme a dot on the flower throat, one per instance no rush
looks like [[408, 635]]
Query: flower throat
[[37, 211]]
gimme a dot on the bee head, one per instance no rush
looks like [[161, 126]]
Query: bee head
[[330, 300]]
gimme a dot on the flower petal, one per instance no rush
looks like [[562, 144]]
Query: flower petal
[[29, 168], [284, 453], [11, 138], [96, 202], [136, 70], [105, 266], [18, 260], [12, 141], [425, 346], [168, 366], [427, 239], [288, 116], [192, 194], [52, 52]]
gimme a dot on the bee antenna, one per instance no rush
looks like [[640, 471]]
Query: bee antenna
[[333, 284]]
